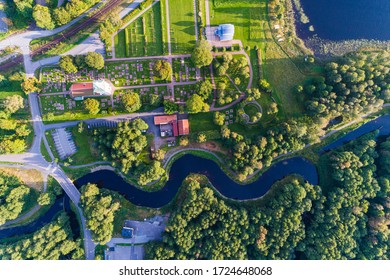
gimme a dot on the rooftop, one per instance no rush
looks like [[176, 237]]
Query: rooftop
[[164, 119], [225, 32], [184, 127]]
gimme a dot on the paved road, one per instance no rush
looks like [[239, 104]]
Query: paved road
[[22, 40], [3, 16]]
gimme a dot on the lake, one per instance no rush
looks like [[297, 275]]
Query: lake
[[338, 20]]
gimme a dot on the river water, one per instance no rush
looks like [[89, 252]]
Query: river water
[[187, 164]]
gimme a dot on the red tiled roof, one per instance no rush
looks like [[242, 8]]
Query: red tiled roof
[[174, 125], [81, 89], [79, 86], [164, 119], [184, 127]]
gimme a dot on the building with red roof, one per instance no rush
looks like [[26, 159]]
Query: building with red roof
[[170, 126], [183, 127]]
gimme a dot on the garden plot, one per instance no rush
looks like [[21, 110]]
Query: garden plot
[[139, 72], [132, 73], [182, 93], [149, 95], [56, 80], [61, 103], [143, 37], [184, 70]]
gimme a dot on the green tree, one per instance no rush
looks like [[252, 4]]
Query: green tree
[[195, 104], [150, 173], [201, 138], [31, 85], [219, 118], [184, 141], [13, 103], [159, 154], [42, 17], [92, 106], [45, 199], [170, 107], [94, 60], [99, 209], [131, 101], [67, 64], [162, 69], [201, 55], [204, 89]]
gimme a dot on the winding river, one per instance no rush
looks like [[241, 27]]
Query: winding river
[[187, 164]]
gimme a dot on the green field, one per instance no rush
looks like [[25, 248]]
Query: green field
[[143, 37], [252, 28], [181, 13]]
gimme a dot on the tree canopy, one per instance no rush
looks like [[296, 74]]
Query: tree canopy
[[162, 69], [131, 101], [99, 210], [94, 60], [202, 55]]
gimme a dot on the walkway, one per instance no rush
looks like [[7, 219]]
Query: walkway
[[27, 215]]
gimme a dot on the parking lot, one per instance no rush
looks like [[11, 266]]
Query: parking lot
[[64, 143], [145, 231], [136, 252]]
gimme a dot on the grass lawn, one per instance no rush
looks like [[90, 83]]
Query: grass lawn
[[251, 27], [143, 37], [4, 94], [52, 146], [251, 109], [182, 25], [202, 122], [44, 152], [86, 152]]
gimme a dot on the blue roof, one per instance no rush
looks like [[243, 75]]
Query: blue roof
[[127, 232], [225, 32]]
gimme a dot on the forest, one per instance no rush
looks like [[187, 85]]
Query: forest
[[15, 197], [99, 209], [348, 219], [124, 146], [52, 242]]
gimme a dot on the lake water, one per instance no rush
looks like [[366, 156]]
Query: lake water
[[346, 19]]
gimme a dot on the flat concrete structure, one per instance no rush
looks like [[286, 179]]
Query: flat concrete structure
[[64, 143], [210, 33], [148, 230], [136, 252]]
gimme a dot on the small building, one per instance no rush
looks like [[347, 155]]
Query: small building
[[183, 127], [225, 32], [170, 126], [127, 232], [79, 91]]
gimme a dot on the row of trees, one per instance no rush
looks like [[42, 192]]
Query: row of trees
[[52, 242], [48, 17], [72, 64]]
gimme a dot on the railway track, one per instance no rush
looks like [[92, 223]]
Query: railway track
[[94, 19]]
